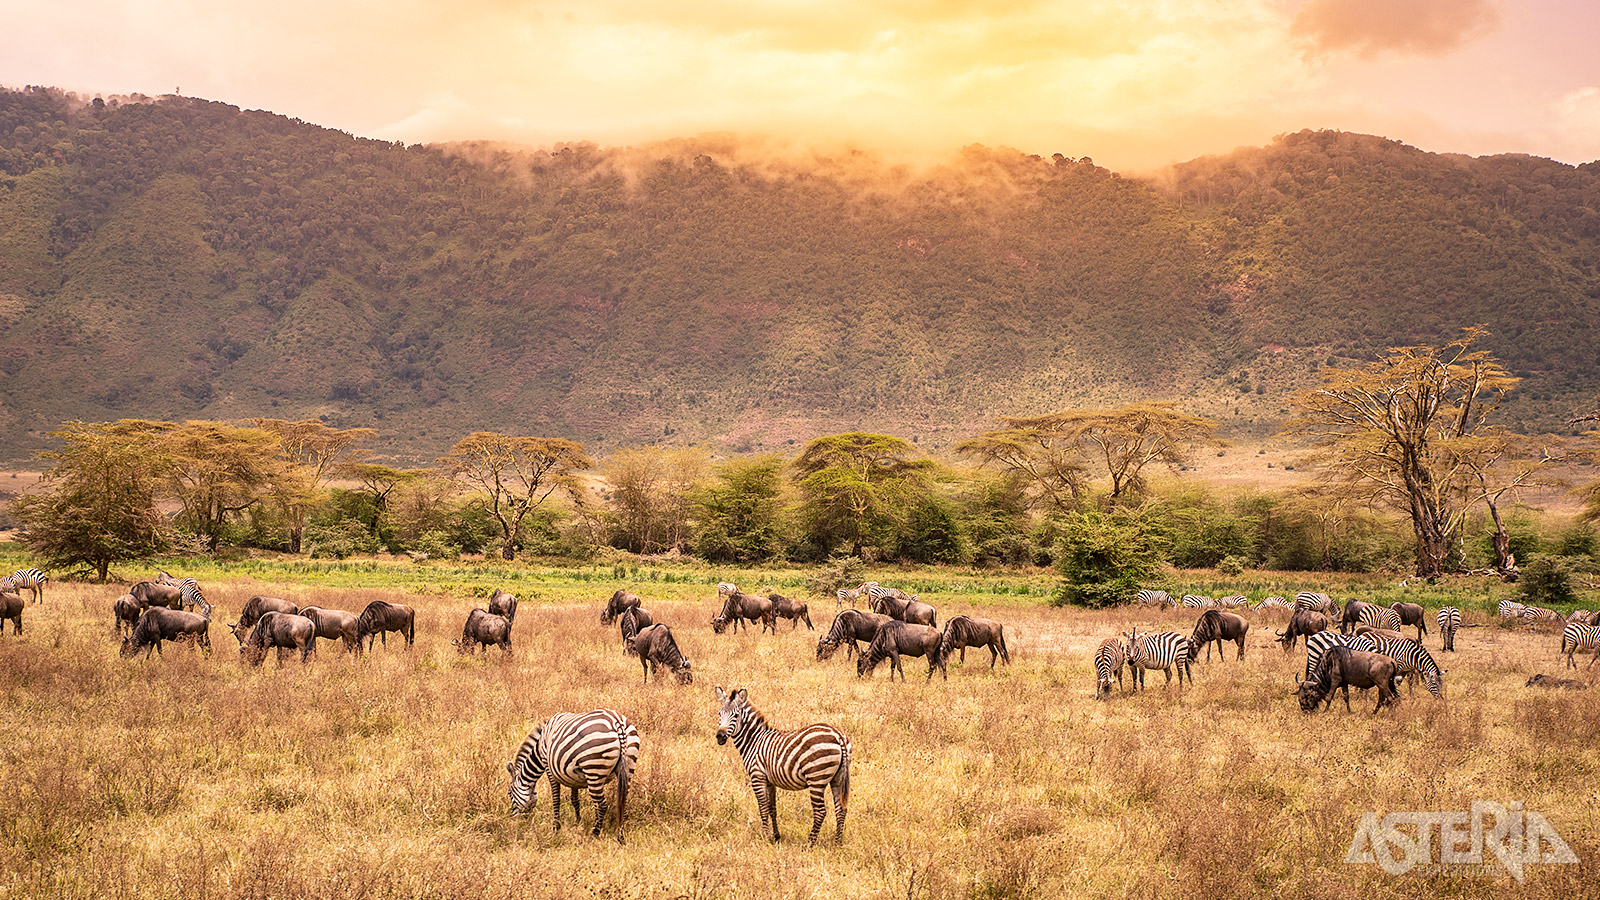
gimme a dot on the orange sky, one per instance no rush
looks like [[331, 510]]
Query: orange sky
[[1135, 84]]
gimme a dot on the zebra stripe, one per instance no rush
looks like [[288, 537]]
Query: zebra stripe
[[1234, 601], [876, 592], [30, 580], [1379, 617], [813, 759], [1274, 603], [1578, 636], [1108, 661], [1317, 646], [577, 750], [189, 595], [1193, 601], [1540, 614], [1510, 609], [1449, 624], [1148, 597], [1159, 651], [1411, 657], [1316, 602]]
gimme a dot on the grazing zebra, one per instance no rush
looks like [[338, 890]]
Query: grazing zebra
[[189, 596], [1542, 615], [1108, 660], [1411, 658], [30, 580], [1510, 609], [1234, 601], [1449, 624], [1578, 636], [1317, 602], [1159, 651], [1274, 603], [813, 759], [1379, 617], [1158, 599], [1193, 601], [577, 750]]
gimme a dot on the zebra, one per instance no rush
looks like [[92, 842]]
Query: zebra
[[1108, 660], [1449, 624], [577, 750], [1274, 603], [1317, 646], [1193, 601], [30, 580], [1510, 609], [1234, 601], [1158, 651], [853, 595], [1410, 658], [813, 759], [1158, 599], [189, 595], [1317, 602], [1578, 636], [1540, 614], [1379, 617]]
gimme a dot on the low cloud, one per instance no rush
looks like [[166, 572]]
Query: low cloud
[[1409, 27]]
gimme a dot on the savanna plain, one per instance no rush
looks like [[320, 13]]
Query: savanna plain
[[187, 775]]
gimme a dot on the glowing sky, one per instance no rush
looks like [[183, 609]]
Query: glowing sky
[[1133, 83]]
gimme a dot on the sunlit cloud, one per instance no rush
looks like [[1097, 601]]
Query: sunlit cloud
[[1371, 27]]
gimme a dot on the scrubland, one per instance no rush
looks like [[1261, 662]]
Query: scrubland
[[188, 775]]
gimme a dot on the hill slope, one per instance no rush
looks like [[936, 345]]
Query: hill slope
[[183, 258]]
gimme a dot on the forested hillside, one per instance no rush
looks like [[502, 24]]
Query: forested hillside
[[179, 258]]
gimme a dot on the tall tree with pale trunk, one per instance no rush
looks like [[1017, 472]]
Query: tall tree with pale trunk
[[518, 474]]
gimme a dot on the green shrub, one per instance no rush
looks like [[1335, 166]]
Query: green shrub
[[1106, 557], [1232, 565], [1546, 581]]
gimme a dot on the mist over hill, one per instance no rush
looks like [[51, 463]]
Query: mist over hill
[[180, 258]]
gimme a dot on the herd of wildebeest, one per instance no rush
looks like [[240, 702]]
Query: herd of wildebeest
[[1355, 644]]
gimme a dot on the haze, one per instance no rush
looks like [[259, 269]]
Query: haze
[[1135, 84]]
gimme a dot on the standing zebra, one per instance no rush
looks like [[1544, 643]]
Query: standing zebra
[[1510, 609], [1158, 651], [189, 596], [1317, 602], [1449, 624], [1317, 646], [577, 750], [1578, 636], [813, 759], [1411, 658], [853, 595], [1379, 617], [30, 580], [1158, 599]]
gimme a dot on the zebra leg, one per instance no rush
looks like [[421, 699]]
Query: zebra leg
[[577, 812], [555, 803], [759, 787], [819, 809], [597, 793]]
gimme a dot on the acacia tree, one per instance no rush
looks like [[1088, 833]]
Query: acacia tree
[[1497, 463], [517, 473], [98, 504], [310, 452], [217, 470], [379, 482], [1048, 461], [850, 478], [650, 495], [1124, 440], [1407, 427]]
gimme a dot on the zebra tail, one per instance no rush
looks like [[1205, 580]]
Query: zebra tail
[[624, 775], [841, 780]]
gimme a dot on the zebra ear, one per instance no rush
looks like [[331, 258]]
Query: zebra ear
[[721, 694], [741, 694]]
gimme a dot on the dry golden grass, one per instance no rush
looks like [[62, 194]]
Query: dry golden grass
[[188, 776]]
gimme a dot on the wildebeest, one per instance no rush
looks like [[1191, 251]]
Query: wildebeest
[[630, 623], [1412, 614], [1352, 615], [11, 608], [655, 646], [149, 593], [1344, 668], [381, 617], [962, 632], [285, 631], [483, 628], [504, 605], [336, 625], [906, 608], [896, 639], [850, 626], [1216, 626], [125, 614], [739, 607], [158, 624], [1550, 681], [260, 605], [1303, 623], [620, 601], [793, 610], [1108, 661]]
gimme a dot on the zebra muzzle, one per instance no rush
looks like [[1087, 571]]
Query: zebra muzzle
[[722, 736]]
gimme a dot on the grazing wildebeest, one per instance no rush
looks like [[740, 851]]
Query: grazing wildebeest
[[620, 601], [381, 617], [850, 626], [896, 639], [632, 621], [907, 609], [1108, 661], [482, 629], [793, 610], [962, 632], [1303, 623], [1344, 668], [1351, 615], [656, 647], [1412, 614], [504, 604], [11, 608], [1216, 626], [578, 750], [259, 605], [1550, 681], [158, 624], [336, 625], [125, 614], [739, 607], [285, 631], [149, 593]]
